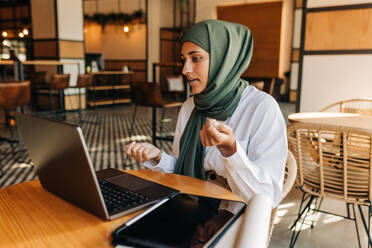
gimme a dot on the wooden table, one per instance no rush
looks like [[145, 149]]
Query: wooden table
[[32, 217], [336, 119]]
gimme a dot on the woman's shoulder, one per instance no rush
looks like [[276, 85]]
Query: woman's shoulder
[[253, 98]]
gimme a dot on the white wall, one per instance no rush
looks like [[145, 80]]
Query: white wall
[[206, 9], [326, 3], [114, 43], [70, 20], [330, 78]]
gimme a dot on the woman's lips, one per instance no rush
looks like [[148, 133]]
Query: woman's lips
[[193, 81]]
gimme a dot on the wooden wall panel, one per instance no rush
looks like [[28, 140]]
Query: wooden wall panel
[[43, 19], [295, 55], [264, 20], [339, 30], [71, 49], [45, 49]]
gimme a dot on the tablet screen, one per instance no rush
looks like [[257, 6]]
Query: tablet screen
[[183, 221]]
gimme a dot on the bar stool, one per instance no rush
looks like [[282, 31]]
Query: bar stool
[[14, 95], [58, 84]]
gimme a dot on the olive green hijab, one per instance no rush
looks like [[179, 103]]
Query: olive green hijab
[[230, 48]]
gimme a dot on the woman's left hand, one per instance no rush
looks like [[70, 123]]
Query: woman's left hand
[[215, 133]]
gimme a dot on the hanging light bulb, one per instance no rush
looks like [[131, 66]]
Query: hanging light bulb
[[6, 43], [4, 33], [126, 28], [25, 31], [21, 34]]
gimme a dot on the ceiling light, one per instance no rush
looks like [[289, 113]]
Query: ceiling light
[[6, 43], [4, 33], [21, 35], [126, 28], [25, 31]]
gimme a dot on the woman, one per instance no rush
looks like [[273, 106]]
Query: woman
[[227, 127]]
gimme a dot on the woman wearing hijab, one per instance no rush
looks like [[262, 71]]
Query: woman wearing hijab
[[227, 132]]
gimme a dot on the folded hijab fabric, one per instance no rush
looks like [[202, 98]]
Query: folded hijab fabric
[[230, 47]]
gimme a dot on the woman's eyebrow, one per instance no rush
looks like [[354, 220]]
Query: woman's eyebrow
[[192, 52]]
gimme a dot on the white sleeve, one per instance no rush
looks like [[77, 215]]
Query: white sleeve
[[168, 162], [259, 167]]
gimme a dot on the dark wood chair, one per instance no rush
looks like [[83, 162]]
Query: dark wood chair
[[14, 96], [149, 95], [84, 81], [57, 85]]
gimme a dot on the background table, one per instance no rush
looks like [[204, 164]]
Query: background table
[[32, 217], [336, 119]]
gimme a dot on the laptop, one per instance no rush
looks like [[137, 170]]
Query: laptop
[[62, 163]]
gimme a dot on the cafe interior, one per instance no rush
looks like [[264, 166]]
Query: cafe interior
[[113, 68]]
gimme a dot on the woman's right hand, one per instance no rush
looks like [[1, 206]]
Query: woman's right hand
[[143, 152]]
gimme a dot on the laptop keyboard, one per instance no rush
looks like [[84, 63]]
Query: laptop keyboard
[[117, 199]]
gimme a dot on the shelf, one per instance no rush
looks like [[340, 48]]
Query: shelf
[[109, 87], [107, 102]]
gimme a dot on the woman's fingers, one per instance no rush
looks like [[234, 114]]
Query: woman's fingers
[[142, 151]]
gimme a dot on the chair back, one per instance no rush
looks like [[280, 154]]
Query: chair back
[[14, 94], [60, 81], [361, 106], [146, 94], [84, 80], [332, 161], [38, 77], [289, 179]]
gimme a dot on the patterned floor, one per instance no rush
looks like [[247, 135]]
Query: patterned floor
[[105, 132]]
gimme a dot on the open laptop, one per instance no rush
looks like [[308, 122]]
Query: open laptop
[[62, 163]]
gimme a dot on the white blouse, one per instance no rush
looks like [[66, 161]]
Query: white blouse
[[258, 165]]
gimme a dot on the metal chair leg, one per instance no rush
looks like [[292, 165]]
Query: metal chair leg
[[127, 159], [366, 228], [132, 123], [161, 126], [356, 225], [302, 214]]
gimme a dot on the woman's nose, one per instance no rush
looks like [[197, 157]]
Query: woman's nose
[[186, 68]]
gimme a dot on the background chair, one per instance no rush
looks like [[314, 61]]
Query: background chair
[[360, 106], [57, 85], [14, 95], [84, 81], [289, 179], [333, 162], [149, 95]]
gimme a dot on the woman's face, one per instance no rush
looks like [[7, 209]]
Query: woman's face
[[195, 66]]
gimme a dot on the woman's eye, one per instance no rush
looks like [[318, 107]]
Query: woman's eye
[[196, 59]]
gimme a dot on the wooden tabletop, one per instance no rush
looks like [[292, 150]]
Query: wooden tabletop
[[48, 62], [6, 62], [111, 72], [32, 217], [337, 119]]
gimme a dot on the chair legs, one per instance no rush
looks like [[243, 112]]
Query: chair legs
[[131, 132], [302, 213], [305, 208], [13, 139]]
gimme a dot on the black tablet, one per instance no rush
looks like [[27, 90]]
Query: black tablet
[[182, 221]]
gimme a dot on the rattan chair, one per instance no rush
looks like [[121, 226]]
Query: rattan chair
[[358, 106], [289, 179], [333, 162]]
